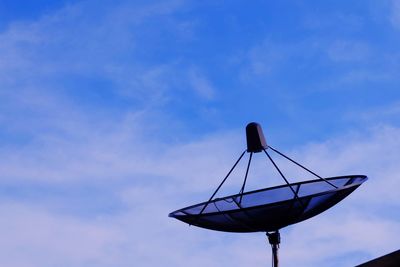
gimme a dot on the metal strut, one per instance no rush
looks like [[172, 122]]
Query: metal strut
[[298, 164], [245, 178], [274, 239], [284, 178], [223, 181]]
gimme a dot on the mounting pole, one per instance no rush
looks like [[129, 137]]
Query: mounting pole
[[274, 239]]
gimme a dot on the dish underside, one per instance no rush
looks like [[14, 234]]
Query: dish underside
[[269, 209]]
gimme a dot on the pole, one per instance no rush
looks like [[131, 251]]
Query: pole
[[274, 239]]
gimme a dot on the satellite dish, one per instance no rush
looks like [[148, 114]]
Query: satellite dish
[[269, 209]]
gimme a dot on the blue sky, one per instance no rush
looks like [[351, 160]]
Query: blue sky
[[115, 113]]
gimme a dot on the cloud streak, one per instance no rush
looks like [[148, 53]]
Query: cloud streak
[[94, 155]]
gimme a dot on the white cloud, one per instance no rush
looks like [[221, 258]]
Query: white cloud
[[147, 177], [376, 115], [266, 58], [185, 173], [201, 84], [343, 50], [395, 14], [337, 235], [32, 236], [82, 42], [329, 21]]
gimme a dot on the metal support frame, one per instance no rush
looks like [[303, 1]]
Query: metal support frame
[[256, 143], [245, 178], [298, 164], [223, 181], [276, 167], [284, 178]]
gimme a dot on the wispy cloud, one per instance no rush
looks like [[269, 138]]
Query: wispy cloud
[[395, 14], [149, 185], [348, 51], [33, 236], [338, 236], [201, 85], [94, 158]]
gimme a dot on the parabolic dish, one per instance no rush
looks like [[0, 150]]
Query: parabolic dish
[[269, 209]]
